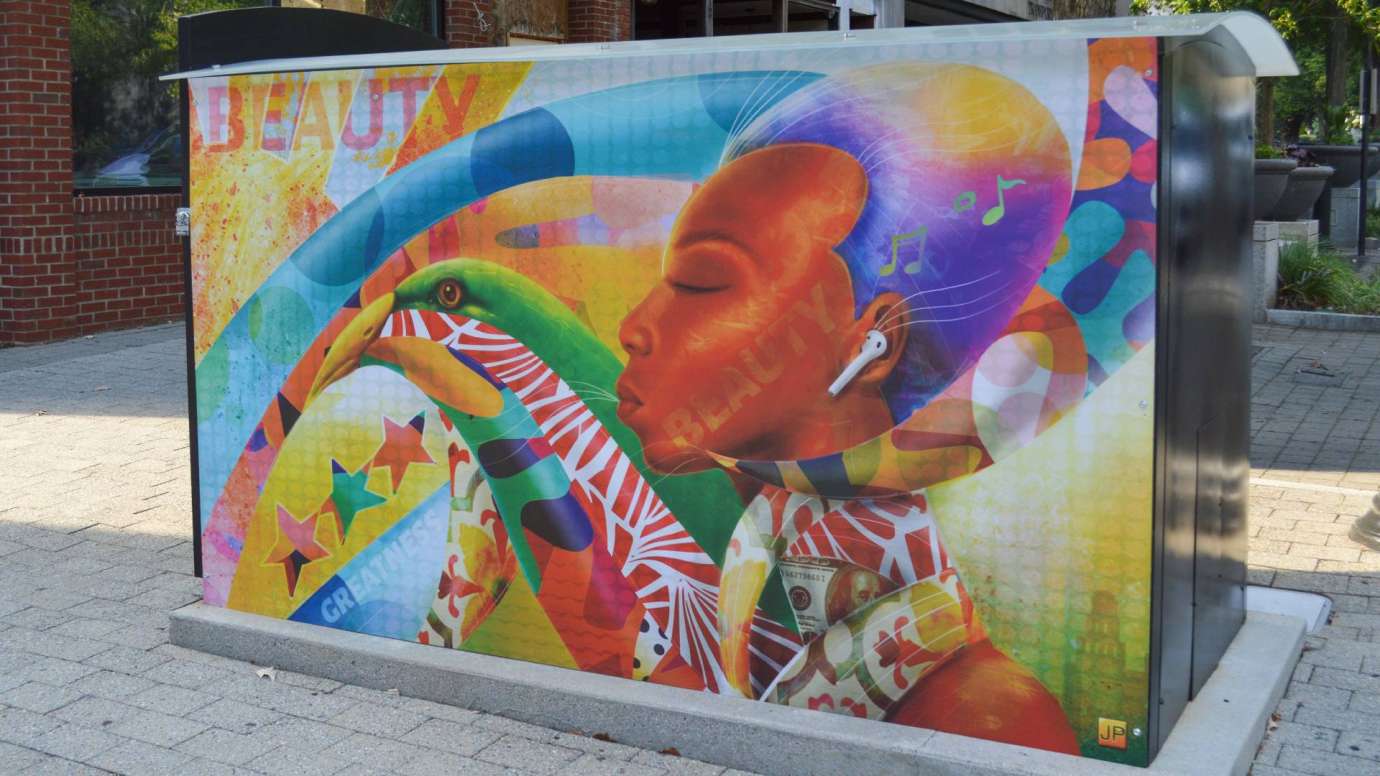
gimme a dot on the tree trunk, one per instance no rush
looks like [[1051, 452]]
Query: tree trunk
[[1293, 127], [1265, 112], [1338, 61]]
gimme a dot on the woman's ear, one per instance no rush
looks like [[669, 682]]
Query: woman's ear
[[889, 315]]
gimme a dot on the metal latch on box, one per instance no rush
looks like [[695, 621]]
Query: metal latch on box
[[182, 226]]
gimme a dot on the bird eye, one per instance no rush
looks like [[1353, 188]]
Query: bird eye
[[448, 293]]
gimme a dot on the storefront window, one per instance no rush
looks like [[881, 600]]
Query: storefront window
[[417, 14], [124, 120]]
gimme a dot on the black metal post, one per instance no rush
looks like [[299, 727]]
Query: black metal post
[[436, 25], [1367, 83], [184, 123]]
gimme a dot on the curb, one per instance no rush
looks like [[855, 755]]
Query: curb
[[1311, 319], [1211, 738]]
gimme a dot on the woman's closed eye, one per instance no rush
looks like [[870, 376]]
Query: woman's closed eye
[[706, 266], [695, 287]]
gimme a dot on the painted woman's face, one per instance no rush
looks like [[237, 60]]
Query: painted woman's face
[[734, 350]]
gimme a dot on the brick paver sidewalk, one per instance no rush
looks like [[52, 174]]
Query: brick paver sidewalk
[[1315, 465], [94, 520], [94, 554]]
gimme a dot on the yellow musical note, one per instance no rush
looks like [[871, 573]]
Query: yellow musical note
[[965, 201], [897, 241], [995, 214]]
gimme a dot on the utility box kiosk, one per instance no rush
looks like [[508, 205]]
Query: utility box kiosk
[[899, 374]]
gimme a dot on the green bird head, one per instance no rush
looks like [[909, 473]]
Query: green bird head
[[457, 286]]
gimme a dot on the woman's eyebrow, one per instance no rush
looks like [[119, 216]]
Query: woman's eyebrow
[[716, 240]]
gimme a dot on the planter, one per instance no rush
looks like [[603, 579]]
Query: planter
[[1346, 160], [1271, 177], [1304, 187]]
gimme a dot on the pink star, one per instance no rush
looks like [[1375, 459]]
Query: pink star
[[296, 546]]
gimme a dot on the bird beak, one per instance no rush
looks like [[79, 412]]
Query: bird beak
[[440, 375], [428, 365], [349, 346]]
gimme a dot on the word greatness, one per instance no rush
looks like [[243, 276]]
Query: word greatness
[[284, 114], [962, 203]]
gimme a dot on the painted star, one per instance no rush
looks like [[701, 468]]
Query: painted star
[[402, 445], [348, 497], [296, 546]]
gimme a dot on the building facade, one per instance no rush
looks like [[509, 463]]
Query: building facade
[[79, 255]]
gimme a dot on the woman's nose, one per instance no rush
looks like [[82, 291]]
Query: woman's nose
[[634, 335]]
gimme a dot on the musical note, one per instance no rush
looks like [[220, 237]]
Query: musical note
[[897, 241], [995, 214], [965, 201]]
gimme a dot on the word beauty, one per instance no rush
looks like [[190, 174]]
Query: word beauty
[[356, 114], [962, 203]]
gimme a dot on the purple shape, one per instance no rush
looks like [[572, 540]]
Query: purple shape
[[1139, 325], [559, 521], [1089, 287], [528, 236]]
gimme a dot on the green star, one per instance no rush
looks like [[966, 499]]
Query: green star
[[349, 496]]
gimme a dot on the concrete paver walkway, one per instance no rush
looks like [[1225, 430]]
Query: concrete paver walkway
[[94, 554], [1315, 466]]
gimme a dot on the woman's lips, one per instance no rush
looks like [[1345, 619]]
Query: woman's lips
[[628, 401]]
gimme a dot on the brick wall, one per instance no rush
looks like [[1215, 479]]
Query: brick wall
[[72, 265], [37, 280], [469, 23], [68, 265], [599, 20], [128, 260]]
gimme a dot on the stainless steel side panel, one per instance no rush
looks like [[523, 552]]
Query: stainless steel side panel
[[1203, 370]]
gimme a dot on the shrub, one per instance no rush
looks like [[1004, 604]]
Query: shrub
[[1362, 298], [1267, 151], [1322, 279], [1373, 223]]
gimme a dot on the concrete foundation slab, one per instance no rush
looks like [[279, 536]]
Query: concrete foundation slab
[[1299, 231], [1218, 733], [1264, 267], [1312, 608]]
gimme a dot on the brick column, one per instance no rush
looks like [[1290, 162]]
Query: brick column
[[469, 23], [37, 270], [587, 21], [593, 21]]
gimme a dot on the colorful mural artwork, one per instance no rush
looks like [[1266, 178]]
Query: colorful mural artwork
[[535, 360]]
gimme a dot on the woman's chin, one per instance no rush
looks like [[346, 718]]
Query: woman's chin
[[671, 458]]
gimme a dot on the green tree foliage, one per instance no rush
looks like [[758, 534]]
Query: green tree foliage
[[1299, 107], [1295, 19], [119, 48]]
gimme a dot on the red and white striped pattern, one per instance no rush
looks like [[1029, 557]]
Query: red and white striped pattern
[[896, 538], [675, 579]]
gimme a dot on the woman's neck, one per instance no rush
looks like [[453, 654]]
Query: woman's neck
[[833, 425]]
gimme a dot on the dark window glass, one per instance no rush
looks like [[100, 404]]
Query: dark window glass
[[124, 120], [417, 14]]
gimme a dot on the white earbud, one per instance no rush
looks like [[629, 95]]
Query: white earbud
[[873, 348]]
